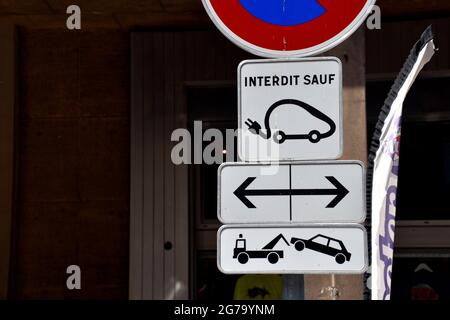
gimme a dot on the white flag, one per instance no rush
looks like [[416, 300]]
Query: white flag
[[384, 168]]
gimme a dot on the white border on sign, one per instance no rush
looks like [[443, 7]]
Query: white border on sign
[[311, 51], [293, 163], [241, 153], [292, 226]]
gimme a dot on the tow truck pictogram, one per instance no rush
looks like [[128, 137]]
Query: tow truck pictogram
[[273, 256]]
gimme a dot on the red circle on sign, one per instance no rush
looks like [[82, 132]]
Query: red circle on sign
[[340, 19]]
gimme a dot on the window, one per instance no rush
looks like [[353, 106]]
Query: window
[[321, 240], [424, 176], [335, 245], [421, 277], [215, 106], [240, 244]]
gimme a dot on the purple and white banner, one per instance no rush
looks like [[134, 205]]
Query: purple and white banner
[[384, 161]]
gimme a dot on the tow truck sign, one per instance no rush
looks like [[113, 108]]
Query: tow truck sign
[[290, 109], [248, 249], [306, 192]]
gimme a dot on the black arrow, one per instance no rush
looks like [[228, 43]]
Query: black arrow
[[339, 191]]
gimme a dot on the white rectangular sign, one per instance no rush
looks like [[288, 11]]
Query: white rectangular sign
[[290, 109], [308, 192], [340, 249]]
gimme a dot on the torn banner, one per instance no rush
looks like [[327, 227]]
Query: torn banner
[[384, 167]]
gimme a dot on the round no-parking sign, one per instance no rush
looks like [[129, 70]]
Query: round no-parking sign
[[288, 28]]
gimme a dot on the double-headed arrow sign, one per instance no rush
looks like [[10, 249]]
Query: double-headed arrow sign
[[339, 191], [314, 192]]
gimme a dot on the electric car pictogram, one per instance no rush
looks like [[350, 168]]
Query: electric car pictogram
[[314, 136]]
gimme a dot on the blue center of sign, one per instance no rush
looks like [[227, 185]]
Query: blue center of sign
[[284, 12]]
